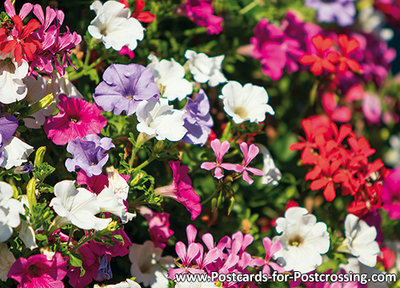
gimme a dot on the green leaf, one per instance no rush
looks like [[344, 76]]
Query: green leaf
[[42, 171]]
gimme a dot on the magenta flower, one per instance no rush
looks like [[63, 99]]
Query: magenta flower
[[372, 108], [181, 189], [201, 12], [94, 184], [275, 50], [38, 272], [77, 118], [391, 194], [219, 149], [249, 153], [158, 226], [56, 46], [93, 260]]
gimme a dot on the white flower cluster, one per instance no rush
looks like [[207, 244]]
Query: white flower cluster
[[80, 206]]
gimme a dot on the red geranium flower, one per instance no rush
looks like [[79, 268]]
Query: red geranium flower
[[347, 46], [324, 60], [23, 42]]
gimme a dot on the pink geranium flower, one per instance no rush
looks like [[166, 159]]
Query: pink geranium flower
[[39, 272], [219, 149], [249, 153], [77, 118], [181, 189], [270, 250], [158, 226]]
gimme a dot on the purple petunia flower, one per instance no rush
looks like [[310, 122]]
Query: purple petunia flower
[[197, 119], [88, 154], [340, 11], [8, 125], [124, 87]]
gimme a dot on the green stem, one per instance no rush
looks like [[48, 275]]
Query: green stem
[[73, 250], [313, 93], [76, 75], [209, 198], [71, 232], [145, 163], [247, 8]]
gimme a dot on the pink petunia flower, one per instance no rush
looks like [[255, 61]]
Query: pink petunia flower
[[94, 184], [181, 189], [220, 150], [158, 226], [77, 118], [37, 271], [391, 194], [93, 255], [249, 153]]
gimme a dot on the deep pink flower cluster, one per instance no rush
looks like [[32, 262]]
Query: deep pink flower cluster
[[201, 12], [228, 256], [281, 48], [46, 47]]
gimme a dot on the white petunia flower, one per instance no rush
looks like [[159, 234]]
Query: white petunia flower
[[303, 240], [117, 184], [392, 157], [77, 206], [271, 173], [25, 230], [144, 267], [10, 209], [15, 153], [124, 284], [249, 102], [114, 25], [205, 69], [12, 88], [354, 266], [7, 259], [110, 202], [360, 239], [170, 75], [27, 235], [158, 119]]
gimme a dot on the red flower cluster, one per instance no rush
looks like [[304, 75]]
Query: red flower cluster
[[340, 161], [17, 38], [326, 58]]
